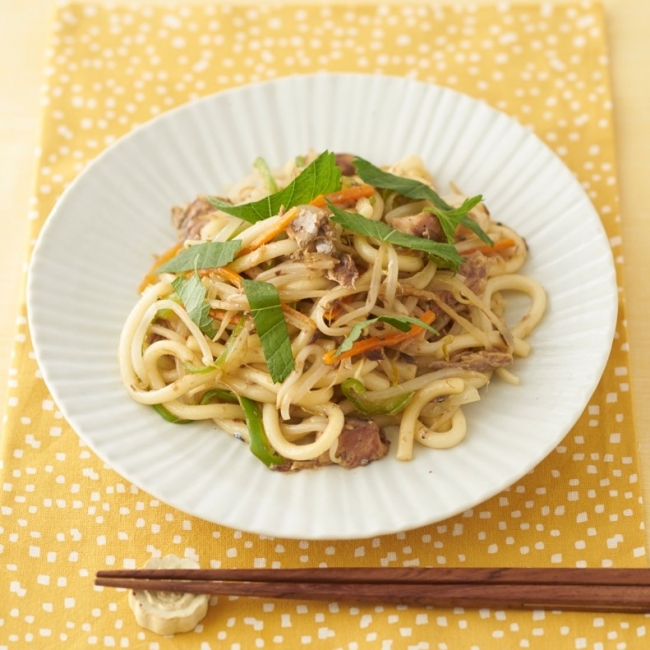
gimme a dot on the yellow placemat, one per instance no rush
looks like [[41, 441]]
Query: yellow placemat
[[64, 514]]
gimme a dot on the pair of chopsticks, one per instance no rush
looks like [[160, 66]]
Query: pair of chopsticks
[[602, 590]]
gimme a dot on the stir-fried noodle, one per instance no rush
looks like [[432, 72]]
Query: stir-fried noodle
[[307, 329]]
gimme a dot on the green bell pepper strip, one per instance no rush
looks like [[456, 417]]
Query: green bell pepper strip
[[218, 395], [259, 443], [265, 172], [199, 370], [166, 415], [353, 389]]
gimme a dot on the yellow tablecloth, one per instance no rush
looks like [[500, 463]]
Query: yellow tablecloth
[[64, 514]]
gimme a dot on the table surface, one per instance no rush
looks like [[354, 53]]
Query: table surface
[[24, 32]]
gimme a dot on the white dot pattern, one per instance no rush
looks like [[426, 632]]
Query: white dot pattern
[[64, 514]]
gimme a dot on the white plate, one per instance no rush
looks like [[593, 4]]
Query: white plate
[[99, 241]]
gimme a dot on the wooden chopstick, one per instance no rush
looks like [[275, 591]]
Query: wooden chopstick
[[614, 590], [399, 575]]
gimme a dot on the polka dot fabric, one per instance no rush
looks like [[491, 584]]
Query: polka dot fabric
[[64, 514]]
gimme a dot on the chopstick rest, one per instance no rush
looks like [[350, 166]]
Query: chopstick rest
[[164, 611]]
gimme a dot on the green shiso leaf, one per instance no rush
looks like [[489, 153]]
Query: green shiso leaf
[[192, 294], [271, 327], [450, 218], [322, 176], [209, 255], [383, 232]]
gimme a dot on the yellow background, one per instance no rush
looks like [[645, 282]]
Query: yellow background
[[65, 515]]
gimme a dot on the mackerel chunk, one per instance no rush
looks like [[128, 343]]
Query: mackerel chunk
[[188, 220], [481, 361], [424, 224], [361, 442], [311, 230], [315, 236]]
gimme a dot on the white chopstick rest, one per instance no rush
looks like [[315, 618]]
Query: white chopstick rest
[[165, 612]]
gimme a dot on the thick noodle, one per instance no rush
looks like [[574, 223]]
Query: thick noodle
[[332, 408]]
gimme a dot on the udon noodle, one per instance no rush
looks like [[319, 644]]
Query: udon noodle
[[429, 335]]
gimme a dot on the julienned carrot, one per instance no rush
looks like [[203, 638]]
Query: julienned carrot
[[160, 260], [486, 249], [376, 342], [271, 234], [344, 196], [218, 314], [228, 274]]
